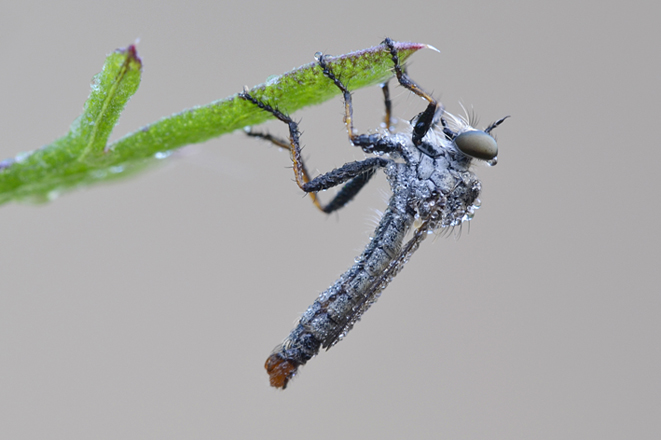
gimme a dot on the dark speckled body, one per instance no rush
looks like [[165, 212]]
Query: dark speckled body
[[421, 184]]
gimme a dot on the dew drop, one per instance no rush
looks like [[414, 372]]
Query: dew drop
[[21, 157], [162, 154], [98, 174], [272, 80], [52, 195]]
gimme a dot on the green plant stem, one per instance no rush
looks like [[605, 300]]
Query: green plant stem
[[82, 156]]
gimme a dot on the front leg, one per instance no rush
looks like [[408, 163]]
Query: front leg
[[425, 120]]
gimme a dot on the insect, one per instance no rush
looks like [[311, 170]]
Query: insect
[[427, 167]]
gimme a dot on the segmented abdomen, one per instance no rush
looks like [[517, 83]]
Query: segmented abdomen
[[335, 311]]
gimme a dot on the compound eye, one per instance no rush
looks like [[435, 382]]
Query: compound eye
[[477, 144]]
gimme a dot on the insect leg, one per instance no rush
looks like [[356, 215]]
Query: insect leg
[[356, 173], [425, 120], [300, 172], [370, 143], [348, 103], [278, 142], [387, 119]]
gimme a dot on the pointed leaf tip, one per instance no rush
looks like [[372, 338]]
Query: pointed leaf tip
[[132, 54]]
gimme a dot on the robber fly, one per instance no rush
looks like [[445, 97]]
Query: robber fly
[[428, 169]]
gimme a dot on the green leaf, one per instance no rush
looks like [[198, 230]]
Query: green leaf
[[83, 156]]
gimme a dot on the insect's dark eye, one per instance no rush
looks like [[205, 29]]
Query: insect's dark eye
[[477, 144]]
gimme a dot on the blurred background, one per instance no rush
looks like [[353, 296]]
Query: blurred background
[[146, 308]]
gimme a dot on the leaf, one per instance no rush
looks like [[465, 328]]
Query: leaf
[[83, 156]]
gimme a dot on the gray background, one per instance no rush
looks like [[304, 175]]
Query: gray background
[[146, 308]]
